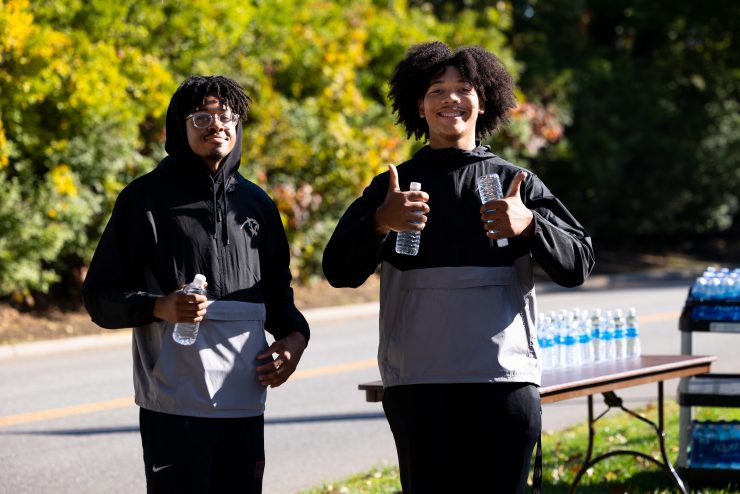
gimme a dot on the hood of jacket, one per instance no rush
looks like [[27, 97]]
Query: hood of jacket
[[182, 160], [184, 165]]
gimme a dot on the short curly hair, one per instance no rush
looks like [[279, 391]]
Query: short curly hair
[[194, 89], [412, 75]]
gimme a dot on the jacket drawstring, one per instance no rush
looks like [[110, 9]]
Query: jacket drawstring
[[215, 208], [225, 209], [220, 207]]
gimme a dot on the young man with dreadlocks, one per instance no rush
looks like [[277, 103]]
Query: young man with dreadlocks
[[458, 352], [201, 406]]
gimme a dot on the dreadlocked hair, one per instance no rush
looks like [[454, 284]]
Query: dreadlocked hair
[[194, 89], [481, 68]]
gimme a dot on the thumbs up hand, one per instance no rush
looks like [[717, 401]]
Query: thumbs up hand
[[508, 217], [401, 211]]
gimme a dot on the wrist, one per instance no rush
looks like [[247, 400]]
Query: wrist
[[381, 228], [299, 339], [529, 230], [156, 308]]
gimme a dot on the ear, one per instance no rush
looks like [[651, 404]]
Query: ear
[[421, 108]]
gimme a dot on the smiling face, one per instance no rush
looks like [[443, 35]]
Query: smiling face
[[451, 108], [215, 141]]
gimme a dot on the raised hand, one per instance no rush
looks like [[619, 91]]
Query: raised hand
[[508, 217], [401, 211]]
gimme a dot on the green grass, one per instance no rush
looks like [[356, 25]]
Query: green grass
[[381, 480], [564, 451]]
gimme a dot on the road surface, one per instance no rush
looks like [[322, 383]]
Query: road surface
[[68, 423]]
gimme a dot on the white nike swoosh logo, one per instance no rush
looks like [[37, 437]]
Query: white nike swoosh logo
[[156, 469]]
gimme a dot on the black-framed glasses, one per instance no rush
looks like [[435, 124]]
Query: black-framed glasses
[[202, 120]]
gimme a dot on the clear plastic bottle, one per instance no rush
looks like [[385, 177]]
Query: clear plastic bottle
[[632, 334], [185, 333], [700, 288], [585, 342], [489, 188], [546, 342], [561, 338], [607, 337], [620, 344], [407, 243], [699, 449], [572, 351], [596, 335]]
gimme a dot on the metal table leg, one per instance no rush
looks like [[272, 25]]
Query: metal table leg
[[613, 401]]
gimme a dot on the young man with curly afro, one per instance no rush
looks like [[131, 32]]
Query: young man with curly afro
[[458, 351]]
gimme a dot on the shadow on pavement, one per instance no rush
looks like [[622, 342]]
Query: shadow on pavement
[[268, 421]]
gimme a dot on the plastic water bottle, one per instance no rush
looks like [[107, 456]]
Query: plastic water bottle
[[700, 288], [561, 338], [699, 449], [633, 334], [407, 243], [729, 288], [546, 341], [185, 333], [620, 344], [607, 337], [596, 335], [574, 349], [715, 288], [585, 342], [489, 188], [725, 447], [735, 442]]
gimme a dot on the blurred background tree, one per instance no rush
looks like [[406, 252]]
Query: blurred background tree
[[649, 93], [628, 113]]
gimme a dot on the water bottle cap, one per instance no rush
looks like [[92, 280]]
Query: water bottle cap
[[415, 186], [199, 280]]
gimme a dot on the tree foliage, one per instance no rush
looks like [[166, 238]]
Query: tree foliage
[[84, 87], [622, 108], [650, 89]]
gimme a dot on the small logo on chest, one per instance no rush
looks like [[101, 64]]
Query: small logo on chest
[[251, 226]]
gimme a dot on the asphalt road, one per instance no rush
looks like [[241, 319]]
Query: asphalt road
[[68, 423]]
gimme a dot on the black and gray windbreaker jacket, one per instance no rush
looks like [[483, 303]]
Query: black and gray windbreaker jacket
[[463, 309], [168, 225]]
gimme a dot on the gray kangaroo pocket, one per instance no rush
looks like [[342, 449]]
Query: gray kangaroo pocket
[[216, 375], [462, 324]]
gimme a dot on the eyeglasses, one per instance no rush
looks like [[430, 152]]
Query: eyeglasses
[[202, 120]]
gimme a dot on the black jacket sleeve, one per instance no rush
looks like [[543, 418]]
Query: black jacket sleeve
[[283, 317], [561, 246], [353, 251], [114, 290]]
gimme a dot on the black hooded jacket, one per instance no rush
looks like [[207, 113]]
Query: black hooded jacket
[[464, 309], [179, 220]]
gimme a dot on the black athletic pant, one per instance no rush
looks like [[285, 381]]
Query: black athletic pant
[[194, 455], [455, 438]]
